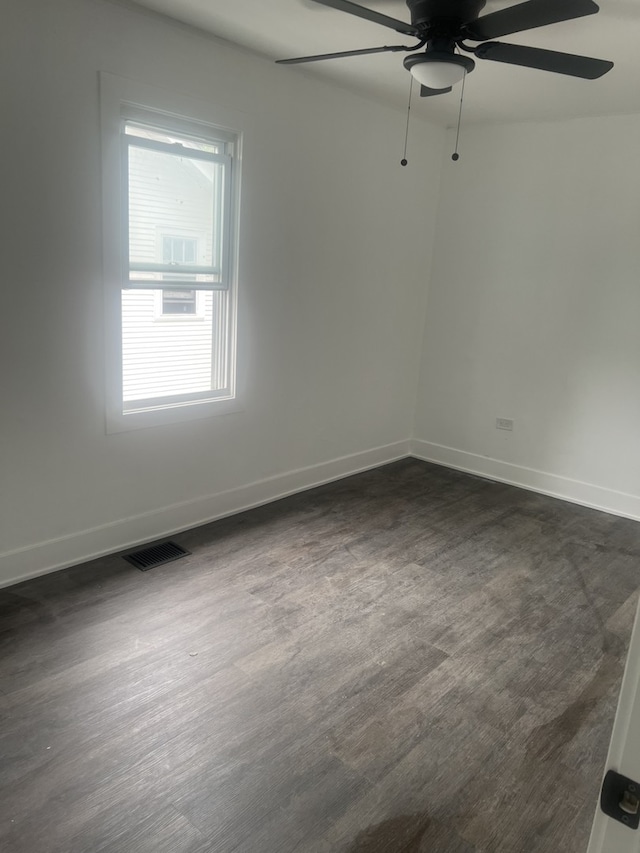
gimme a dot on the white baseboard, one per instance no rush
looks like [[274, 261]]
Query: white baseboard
[[53, 554], [574, 491]]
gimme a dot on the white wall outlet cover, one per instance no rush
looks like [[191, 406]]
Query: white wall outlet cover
[[504, 423]]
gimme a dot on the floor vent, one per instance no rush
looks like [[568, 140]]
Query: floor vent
[[155, 555]]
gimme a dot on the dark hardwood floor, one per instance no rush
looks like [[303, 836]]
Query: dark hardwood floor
[[411, 660]]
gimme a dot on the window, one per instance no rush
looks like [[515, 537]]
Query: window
[[177, 186], [171, 191]]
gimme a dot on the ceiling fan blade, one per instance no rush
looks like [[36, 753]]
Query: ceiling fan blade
[[425, 92], [299, 59], [545, 60], [370, 15], [527, 16]]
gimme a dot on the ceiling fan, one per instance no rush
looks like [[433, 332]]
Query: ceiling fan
[[445, 25]]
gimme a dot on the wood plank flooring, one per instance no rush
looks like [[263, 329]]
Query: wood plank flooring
[[411, 660]]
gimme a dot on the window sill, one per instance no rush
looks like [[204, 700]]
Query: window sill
[[117, 422]]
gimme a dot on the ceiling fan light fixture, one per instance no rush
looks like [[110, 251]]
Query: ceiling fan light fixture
[[437, 70], [437, 75]]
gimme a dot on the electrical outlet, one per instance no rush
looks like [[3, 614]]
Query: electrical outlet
[[504, 423]]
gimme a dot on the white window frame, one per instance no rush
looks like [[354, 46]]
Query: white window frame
[[121, 100]]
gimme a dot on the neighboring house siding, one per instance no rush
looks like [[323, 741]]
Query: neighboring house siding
[[165, 355], [170, 354], [168, 195]]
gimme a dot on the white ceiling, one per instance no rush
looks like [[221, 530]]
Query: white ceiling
[[279, 29]]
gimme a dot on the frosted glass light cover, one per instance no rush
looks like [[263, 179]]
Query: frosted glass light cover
[[437, 75]]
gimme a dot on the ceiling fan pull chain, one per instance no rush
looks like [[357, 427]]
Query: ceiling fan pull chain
[[404, 160], [455, 155]]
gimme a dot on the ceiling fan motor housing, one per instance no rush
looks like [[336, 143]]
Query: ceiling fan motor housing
[[444, 14]]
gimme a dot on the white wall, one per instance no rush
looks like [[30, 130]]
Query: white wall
[[534, 311], [335, 239]]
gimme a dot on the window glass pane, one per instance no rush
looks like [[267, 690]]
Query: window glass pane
[[164, 358], [179, 250], [178, 302], [176, 194]]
